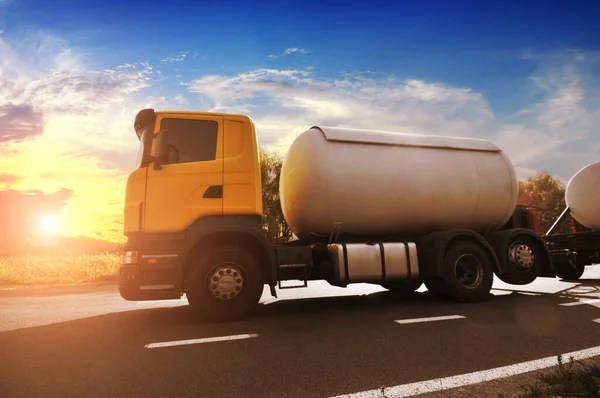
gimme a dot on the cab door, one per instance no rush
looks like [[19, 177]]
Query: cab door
[[190, 184]]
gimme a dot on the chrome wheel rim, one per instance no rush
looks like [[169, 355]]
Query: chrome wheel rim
[[226, 281], [521, 256]]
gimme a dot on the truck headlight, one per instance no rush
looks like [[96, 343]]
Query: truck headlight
[[130, 257]]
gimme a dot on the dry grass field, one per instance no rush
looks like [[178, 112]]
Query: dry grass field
[[58, 268]]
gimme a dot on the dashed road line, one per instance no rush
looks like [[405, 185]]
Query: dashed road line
[[406, 390], [430, 319], [580, 302], [200, 341], [596, 320]]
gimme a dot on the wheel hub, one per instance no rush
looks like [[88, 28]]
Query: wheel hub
[[225, 281], [469, 271], [521, 256]]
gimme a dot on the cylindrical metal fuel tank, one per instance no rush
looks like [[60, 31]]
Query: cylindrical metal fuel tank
[[583, 196], [383, 183]]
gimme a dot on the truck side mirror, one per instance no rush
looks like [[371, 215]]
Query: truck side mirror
[[162, 149]]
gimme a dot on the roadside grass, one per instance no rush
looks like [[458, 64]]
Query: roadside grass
[[59, 268], [576, 378], [572, 379]]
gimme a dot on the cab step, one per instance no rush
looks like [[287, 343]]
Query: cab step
[[293, 266]]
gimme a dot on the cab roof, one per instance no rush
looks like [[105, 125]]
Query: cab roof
[[162, 112]]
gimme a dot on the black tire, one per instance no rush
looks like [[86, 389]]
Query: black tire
[[523, 257], [225, 284], [403, 287], [569, 272], [468, 272], [437, 286]]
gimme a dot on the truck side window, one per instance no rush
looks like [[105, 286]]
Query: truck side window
[[191, 140]]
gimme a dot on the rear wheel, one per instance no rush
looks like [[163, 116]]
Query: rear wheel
[[437, 286], [468, 271], [225, 284], [569, 272], [524, 258]]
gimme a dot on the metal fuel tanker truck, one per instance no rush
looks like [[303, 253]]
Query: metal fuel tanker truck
[[572, 251], [393, 209]]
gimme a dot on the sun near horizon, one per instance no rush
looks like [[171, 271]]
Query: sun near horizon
[[49, 225]]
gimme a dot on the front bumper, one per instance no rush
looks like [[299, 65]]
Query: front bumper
[[149, 276]]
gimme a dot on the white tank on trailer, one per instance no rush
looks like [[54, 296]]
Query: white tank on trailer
[[583, 196], [383, 183]]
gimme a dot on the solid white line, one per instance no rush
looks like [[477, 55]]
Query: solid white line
[[406, 390], [580, 302], [200, 341], [431, 319]]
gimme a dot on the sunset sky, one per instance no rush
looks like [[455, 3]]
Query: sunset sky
[[74, 74]]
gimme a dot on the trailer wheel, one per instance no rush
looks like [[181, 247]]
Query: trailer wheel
[[225, 284], [404, 287], [568, 272], [468, 271], [436, 286], [524, 260]]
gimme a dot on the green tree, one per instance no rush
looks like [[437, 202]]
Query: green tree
[[546, 194], [274, 225]]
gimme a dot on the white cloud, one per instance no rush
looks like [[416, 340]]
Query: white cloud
[[46, 73], [283, 102], [43, 74], [289, 51], [561, 133], [558, 134], [181, 56]]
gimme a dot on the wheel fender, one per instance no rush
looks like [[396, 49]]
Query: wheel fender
[[233, 233], [432, 248], [499, 240]]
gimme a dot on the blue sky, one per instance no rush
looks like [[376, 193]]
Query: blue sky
[[524, 75], [467, 43]]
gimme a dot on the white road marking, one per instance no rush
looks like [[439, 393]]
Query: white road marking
[[596, 320], [580, 302], [406, 390], [200, 341], [431, 319]]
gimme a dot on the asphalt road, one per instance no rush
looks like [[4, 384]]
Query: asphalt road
[[316, 342]]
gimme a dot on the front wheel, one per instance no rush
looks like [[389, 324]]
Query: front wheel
[[224, 284], [468, 271]]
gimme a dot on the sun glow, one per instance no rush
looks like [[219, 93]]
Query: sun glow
[[49, 225]]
